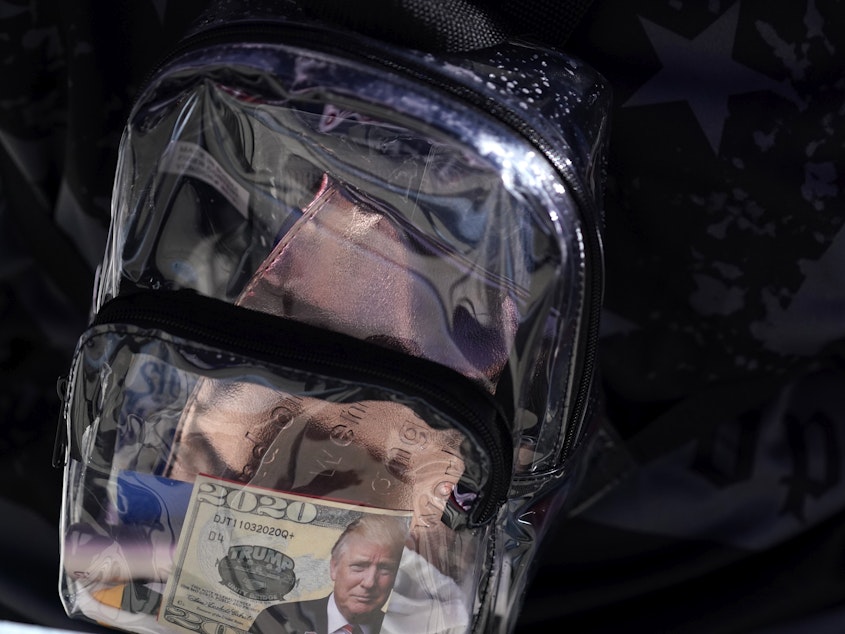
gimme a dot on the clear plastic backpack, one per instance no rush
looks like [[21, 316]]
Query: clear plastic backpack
[[340, 361]]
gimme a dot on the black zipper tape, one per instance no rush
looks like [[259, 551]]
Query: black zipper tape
[[284, 342]]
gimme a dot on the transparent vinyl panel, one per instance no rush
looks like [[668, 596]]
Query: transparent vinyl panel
[[376, 208], [205, 488]]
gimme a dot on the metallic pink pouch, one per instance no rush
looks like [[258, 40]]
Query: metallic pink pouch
[[349, 266]]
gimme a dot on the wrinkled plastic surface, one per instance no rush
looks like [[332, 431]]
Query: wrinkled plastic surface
[[346, 197], [213, 177], [327, 444]]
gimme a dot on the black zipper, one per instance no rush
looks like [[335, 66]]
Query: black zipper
[[329, 40], [286, 343]]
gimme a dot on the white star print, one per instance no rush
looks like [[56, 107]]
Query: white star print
[[702, 72]]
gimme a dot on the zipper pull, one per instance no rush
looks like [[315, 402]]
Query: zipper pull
[[60, 444]]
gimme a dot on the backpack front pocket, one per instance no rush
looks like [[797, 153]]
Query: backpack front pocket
[[336, 426]]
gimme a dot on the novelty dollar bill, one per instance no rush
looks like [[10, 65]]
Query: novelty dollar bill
[[244, 548]]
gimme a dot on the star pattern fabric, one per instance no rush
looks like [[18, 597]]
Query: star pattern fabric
[[724, 242], [701, 71]]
